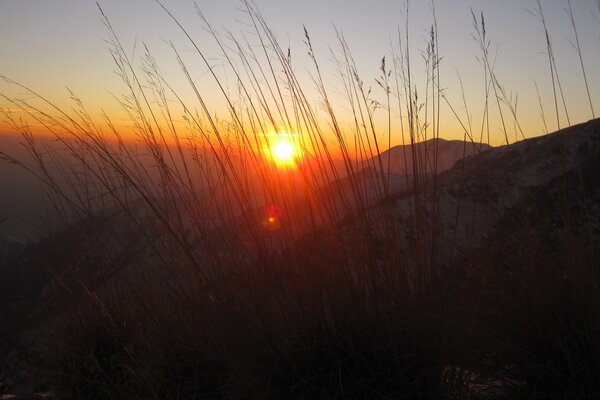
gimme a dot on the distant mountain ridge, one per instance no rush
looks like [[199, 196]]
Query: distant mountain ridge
[[395, 166], [445, 153]]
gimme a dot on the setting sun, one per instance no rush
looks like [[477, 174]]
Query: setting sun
[[284, 151]]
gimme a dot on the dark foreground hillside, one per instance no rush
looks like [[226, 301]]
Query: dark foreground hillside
[[480, 282]]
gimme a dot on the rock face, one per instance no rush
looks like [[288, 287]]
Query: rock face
[[482, 196]]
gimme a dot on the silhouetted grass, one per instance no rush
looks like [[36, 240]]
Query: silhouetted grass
[[536, 329], [180, 287]]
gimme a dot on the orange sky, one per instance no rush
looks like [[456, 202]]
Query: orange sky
[[62, 44]]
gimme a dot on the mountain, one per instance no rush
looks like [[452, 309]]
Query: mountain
[[533, 181], [374, 176], [445, 153], [474, 196]]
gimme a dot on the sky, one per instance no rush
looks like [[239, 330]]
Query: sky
[[52, 45]]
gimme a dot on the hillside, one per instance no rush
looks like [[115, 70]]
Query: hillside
[[495, 198]]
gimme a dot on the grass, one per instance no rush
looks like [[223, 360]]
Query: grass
[[180, 290], [538, 322]]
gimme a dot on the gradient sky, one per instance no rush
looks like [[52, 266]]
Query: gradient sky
[[52, 44]]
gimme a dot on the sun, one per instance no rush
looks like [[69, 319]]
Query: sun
[[284, 152]]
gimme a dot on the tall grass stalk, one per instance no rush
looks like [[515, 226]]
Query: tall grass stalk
[[556, 85], [580, 55], [500, 95], [542, 114]]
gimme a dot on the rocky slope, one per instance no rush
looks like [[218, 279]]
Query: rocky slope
[[536, 177]]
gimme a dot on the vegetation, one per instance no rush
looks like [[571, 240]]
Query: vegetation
[[185, 283]]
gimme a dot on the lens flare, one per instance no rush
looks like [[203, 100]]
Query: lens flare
[[272, 218]]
